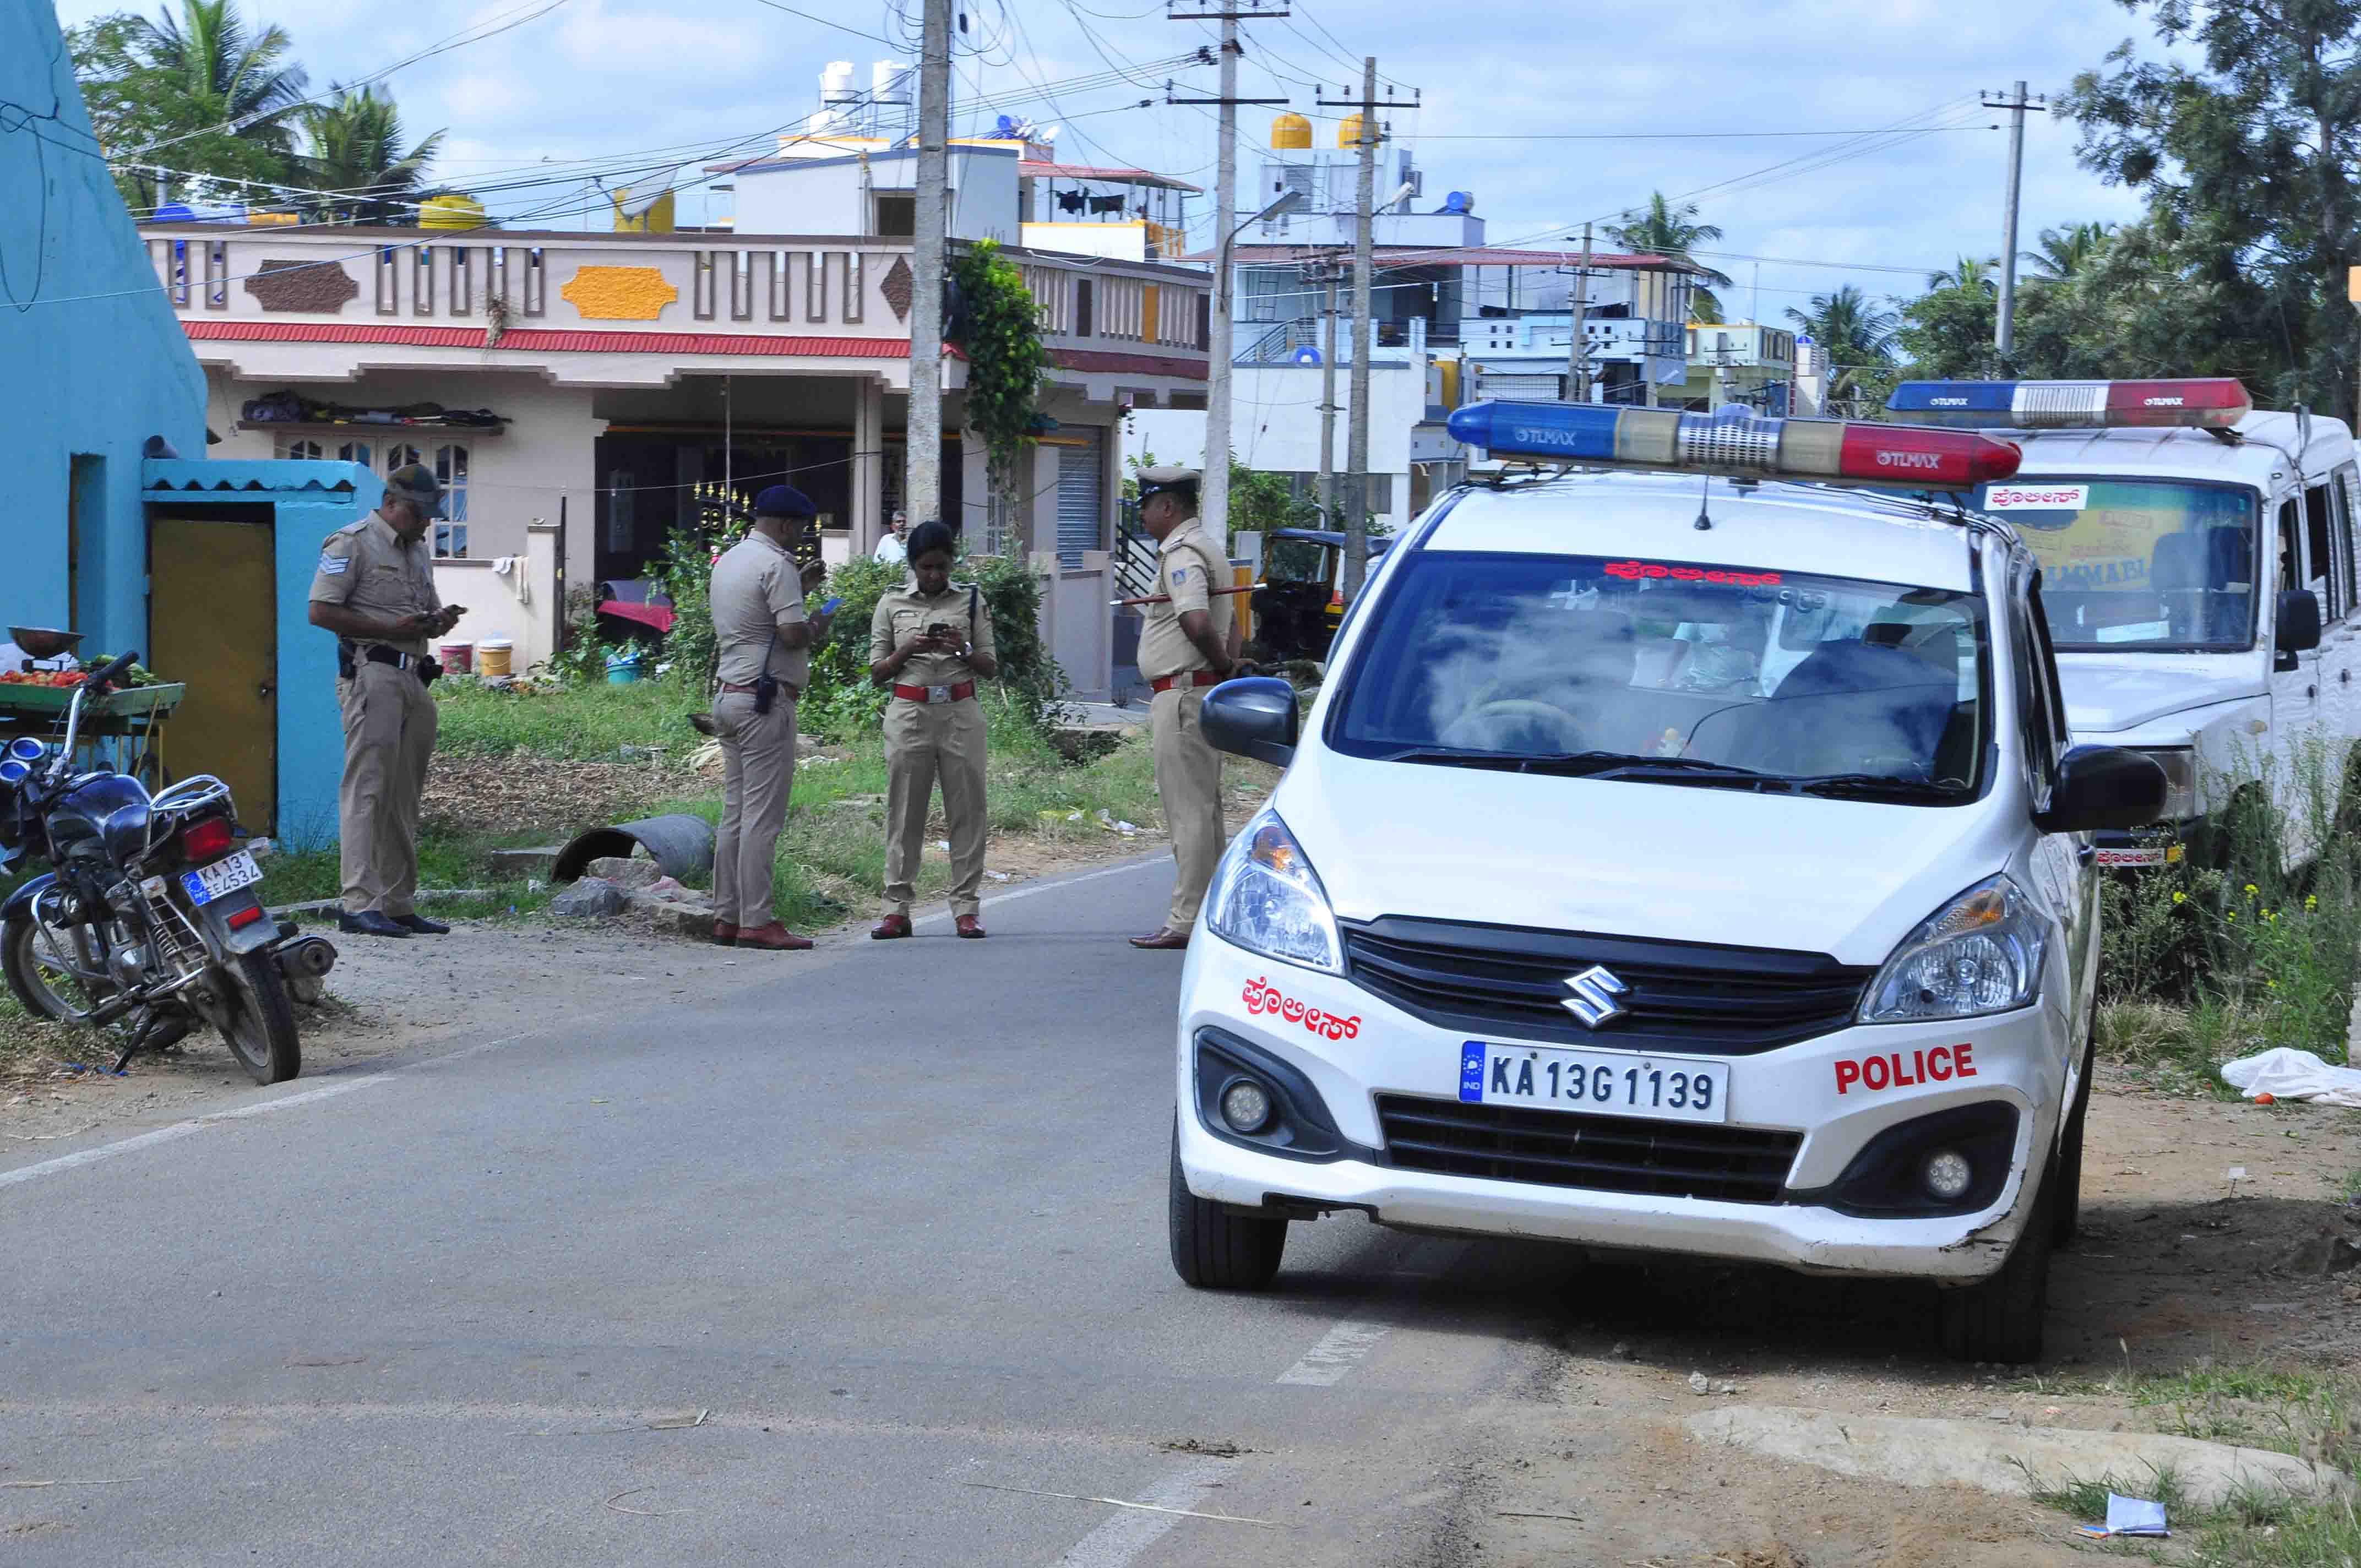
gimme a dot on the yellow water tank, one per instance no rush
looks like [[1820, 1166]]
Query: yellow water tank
[[450, 213], [273, 220], [1348, 131], [1290, 133]]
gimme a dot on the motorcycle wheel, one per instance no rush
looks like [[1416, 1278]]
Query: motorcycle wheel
[[258, 1020], [40, 986]]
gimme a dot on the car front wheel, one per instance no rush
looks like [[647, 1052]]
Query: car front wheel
[[1213, 1249]]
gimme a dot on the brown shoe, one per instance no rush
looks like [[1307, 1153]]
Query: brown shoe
[[1163, 939], [969, 927], [725, 935], [891, 928], [774, 938]]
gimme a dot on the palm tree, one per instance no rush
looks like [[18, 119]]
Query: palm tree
[[1666, 230], [1856, 335], [2065, 252], [220, 95], [352, 155], [1970, 274]]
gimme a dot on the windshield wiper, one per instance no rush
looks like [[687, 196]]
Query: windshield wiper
[[1629, 765], [1882, 784], [1457, 757]]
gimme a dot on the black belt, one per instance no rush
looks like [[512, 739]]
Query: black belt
[[377, 654]]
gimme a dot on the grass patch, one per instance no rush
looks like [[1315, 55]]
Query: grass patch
[[566, 723]]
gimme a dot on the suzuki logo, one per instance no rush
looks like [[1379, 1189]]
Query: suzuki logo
[[1593, 1001]]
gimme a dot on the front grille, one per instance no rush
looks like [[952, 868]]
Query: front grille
[[1684, 996], [1604, 1153]]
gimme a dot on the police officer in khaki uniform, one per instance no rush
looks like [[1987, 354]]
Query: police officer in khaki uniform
[[1185, 648], [765, 642], [375, 589], [929, 641]]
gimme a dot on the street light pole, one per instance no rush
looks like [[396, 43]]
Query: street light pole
[[922, 488]]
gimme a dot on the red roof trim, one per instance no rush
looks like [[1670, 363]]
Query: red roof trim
[[1127, 364], [547, 340]]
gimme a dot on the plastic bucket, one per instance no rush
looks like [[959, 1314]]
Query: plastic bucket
[[457, 658], [492, 657], [622, 669]]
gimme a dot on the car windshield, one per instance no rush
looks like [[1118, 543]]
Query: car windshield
[[1682, 673], [2138, 564]]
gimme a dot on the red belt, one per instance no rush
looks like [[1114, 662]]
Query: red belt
[[1187, 680], [959, 693], [734, 689]]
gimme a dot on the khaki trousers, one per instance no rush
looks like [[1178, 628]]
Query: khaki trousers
[[758, 776], [925, 742], [388, 741], [1189, 782]]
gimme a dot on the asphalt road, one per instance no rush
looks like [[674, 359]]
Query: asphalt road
[[850, 1263]]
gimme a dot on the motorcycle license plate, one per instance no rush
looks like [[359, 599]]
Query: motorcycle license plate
[[1654, 1089], [224, 876]]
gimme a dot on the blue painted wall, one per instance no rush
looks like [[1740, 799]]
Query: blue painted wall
[[91, 361], [310, 501]]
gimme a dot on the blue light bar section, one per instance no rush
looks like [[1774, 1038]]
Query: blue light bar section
[[1579, 432], [1966, 403]]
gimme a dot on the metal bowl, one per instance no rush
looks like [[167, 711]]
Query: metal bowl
[[41, 643]]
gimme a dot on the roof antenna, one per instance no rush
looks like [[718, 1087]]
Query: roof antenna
[[1704, 521]]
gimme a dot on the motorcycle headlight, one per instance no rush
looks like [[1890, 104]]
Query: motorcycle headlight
[[2179, 765], [1267, 898], [1980, 953]]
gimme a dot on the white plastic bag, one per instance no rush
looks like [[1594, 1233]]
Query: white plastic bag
[[2285, 1073]]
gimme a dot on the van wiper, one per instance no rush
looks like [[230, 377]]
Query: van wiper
[[1629, 765], [1887, 785], [1457, 757]]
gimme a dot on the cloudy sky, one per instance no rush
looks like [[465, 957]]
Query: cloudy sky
[[1506, 86]]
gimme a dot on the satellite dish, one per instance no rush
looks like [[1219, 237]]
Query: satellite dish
[[1307, 355]]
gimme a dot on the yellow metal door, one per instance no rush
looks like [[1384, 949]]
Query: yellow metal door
[[213, 622]]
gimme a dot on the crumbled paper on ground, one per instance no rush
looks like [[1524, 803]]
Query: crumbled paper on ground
[[2285, 1073]]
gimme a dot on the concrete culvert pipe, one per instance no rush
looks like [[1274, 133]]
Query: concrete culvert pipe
[[682, 845]]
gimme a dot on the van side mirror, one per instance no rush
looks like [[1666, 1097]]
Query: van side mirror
[[2102, 788], [1255, 716], [2297, 626]]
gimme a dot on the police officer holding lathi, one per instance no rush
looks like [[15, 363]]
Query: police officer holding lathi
[[375, 589], [930, 641], [765, 642], [1184, 647]]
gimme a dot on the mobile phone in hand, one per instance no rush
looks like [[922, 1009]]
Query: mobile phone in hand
[[831, 607]]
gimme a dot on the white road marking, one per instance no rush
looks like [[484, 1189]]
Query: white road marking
[[1119, 1542], [1340, 1350], [1045, 886], [182, 1129]]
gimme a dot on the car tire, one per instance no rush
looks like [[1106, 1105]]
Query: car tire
[[1999, 1319], [2066, 1180], [1213, 1249]]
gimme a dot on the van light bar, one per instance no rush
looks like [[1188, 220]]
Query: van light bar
[[2210, 404], [1736, 442]]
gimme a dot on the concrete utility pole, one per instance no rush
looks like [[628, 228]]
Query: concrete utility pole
[[1364, 260], [1213, 494], [1328, 394], [1577, 343], [2005, 318], [922, 486]]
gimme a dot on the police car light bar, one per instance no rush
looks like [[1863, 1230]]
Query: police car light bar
[[2215, 403], [1736, 443]]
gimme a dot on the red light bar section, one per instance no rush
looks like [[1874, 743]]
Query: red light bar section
[[1916, 457], [2209, 404]]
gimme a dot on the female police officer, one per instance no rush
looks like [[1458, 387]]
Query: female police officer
[[930, 641]]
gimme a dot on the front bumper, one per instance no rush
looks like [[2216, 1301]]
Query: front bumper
[[2019, 1060]]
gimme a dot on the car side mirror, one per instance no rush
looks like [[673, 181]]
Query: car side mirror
[[2102, 788], [1255, 716], [2297, 626]]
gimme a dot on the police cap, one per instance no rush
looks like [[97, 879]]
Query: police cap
[[1181, 482], [784, 500]]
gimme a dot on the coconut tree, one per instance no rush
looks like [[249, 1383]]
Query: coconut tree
[[1666, 230], [2065, 252], [219, 94], [352, 155], [1975, 275], [1856, 335]]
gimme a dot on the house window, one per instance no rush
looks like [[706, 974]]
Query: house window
[[451, 468], [297, 451], [356, 452], [896, 216]]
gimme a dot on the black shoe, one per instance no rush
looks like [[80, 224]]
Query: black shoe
[[369, 923], [423, 926]]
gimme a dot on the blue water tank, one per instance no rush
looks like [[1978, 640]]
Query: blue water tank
[[1307, 355], [1459, 203]]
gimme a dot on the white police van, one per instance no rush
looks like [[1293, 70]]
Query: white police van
[[1539, 938], [2192, 550]]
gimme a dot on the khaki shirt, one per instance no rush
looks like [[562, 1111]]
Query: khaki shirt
[[1188, 568], [905, 610], [365, 566], [757, 589]]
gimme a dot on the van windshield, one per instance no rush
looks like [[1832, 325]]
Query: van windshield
[[2137, 564], [1681, 673]]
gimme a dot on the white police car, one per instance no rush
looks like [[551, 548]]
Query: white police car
[[2194, 551], [1690, 864]]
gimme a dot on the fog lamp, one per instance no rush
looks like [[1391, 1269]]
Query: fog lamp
[[1246, 1106], [1947, 1174]]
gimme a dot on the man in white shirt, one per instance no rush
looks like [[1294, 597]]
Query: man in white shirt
[[895, 546]]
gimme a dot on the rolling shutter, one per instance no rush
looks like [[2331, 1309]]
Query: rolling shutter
[[1082, 520], [1533, 389]]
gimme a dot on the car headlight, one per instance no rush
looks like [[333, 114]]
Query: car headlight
[[1268, 899], [2179, 765], [1981, 953]]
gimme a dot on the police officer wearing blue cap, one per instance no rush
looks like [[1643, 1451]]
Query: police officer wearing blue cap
[[765, 642]]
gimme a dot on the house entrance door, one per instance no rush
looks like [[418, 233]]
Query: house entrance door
[[213, 622]]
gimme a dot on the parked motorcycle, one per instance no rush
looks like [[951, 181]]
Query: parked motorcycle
[[147, 921]]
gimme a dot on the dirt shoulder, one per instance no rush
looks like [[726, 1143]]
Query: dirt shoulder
[[2176, 1283]]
